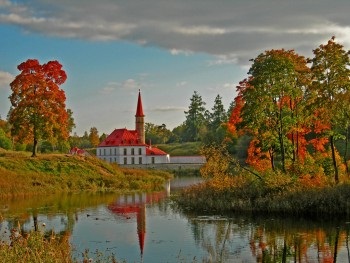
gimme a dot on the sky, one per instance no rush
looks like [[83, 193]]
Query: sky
[[168, 49]]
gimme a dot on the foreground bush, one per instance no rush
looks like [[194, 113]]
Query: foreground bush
[[33, 247], [279, 193], [38, 247]]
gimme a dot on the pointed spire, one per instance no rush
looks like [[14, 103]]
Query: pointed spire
[[139, 109], [140, 121], [141, 227]]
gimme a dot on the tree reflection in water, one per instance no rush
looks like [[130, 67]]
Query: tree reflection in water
[[271, 240], [230, 238]]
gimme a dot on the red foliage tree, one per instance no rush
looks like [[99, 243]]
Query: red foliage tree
[[38, 103]]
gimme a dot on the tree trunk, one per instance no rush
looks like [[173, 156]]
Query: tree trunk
[[347, 243], [35, 147], [35, 140], [336, 174], [280, 136], [294, 143], [283, 158], [295, 148], [35, 220], [297, 134], [336, 245], [346, 151], [272, 159], [284, 253], [297, 154]]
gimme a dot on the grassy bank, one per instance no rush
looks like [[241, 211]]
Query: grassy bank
[[281, 194], [181, 149], [21, 174]]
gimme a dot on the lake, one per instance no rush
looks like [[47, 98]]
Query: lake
[[150, 228]]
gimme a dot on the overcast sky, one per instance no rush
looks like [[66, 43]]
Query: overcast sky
[[167, 48]]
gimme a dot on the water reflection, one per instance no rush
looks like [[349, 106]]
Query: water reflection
[[148, 227], [134, 205], [247, 239]]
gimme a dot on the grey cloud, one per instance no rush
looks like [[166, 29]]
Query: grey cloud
[[129, 84], [168, 109], [5, 79], [235, 31]]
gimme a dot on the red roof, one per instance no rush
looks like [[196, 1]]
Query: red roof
[[120, 137], [125, 137], [154, 151], [139, 109]]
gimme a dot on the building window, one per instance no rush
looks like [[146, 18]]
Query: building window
[[125, 160], [110, 151], [140, 151], [104, 151], [132, 151], [125, 151], [140, 160], [115, 151], [133, 160], [153, 160]]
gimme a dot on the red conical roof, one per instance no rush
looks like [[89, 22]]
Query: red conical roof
[[139, 109], [141, 227]]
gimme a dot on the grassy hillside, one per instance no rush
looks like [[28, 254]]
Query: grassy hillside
[[21, 174], [181, 149]]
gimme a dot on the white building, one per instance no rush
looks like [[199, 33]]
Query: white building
[[124, 146]]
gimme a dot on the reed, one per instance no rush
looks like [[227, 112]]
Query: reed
[[36, 246], [280, 194]]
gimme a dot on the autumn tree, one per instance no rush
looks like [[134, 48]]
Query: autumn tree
[[80, 142], [347, 134], [235, 118], [6, 135], [3, 123], [218, 162], [331, 86], [71, 123], [94, 138], [270, 96], [38, 108], [5, 142]]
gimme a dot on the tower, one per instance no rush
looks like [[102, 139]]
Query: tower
[[140, 120]]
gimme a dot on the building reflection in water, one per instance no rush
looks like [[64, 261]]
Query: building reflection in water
[[134, 205]]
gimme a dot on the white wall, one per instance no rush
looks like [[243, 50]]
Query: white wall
[[187, 159], [115, 154], [157, 159]]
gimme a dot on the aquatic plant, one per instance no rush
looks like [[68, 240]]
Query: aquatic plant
[[34, 247], [275, 193], [38, 246]]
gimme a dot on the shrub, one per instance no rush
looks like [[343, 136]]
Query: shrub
[[34, 247], [5, 142]]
